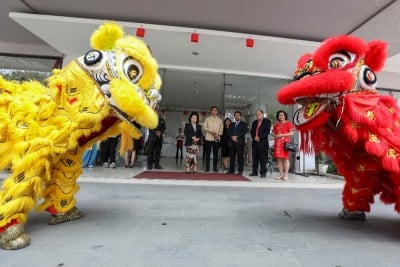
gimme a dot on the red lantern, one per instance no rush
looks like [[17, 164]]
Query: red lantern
[[185, 112], [140, 32], [163, 110], [203, 113], [194, 38], [249, 42]]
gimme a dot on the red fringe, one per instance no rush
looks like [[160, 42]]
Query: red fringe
[[52, 210], [388, 197], [13, 222], [390, 164], [377, 149]]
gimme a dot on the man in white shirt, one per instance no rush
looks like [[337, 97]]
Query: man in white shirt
[[213, 129]]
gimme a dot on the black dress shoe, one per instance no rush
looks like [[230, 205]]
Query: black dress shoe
[[239, 173], [158, 167], [253, 174], [262, 176], [228, 172], [206, 170], [215, 170]]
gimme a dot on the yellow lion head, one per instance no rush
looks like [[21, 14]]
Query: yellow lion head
[[126, 74]]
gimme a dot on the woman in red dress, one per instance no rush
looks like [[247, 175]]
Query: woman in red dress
[[282, 132]]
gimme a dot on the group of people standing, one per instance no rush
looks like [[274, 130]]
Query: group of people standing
[[230, 136], [213, 134]]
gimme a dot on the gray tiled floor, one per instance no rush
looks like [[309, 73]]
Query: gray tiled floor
[[133, 222]]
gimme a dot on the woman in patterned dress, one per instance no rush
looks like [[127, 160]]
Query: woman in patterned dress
[[193, 135], [282, 132]]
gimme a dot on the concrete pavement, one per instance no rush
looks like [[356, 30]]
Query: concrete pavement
[[131, 224]]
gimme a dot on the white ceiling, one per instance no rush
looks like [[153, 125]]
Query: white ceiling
[[282, 30]]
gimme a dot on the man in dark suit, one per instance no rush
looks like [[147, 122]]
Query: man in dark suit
[[236, 132], [154, 143], [259, 132]]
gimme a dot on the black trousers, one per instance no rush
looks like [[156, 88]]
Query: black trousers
[[154, 153], [260, 156], [177, 151], [108, 149], [236, 150], [208, 145]]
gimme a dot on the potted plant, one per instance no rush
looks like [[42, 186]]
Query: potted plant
[[322, 163]]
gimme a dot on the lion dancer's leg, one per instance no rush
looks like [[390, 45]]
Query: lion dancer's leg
[[18, 196], [362, 183], [60, 190]]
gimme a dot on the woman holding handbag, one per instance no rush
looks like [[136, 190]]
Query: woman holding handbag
[[282, 132], [193, 135]]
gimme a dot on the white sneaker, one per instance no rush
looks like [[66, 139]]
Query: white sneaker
[[106, 165], [112, 165], [91, 166]]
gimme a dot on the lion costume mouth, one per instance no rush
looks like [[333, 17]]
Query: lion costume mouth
[[320, 98], [140, 98]]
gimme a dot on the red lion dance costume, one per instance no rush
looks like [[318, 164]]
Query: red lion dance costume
[[342, 115]]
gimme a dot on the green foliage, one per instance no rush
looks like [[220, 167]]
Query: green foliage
[[271, 117], [322, 158], [22, 75], [332, 168]]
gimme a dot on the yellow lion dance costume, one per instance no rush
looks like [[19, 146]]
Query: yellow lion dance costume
[[45, 130]]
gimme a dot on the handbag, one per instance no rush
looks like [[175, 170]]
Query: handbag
[[291, 147]]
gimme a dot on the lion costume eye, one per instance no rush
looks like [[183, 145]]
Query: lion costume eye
[[339, 60], [132, 69], [367, 78]]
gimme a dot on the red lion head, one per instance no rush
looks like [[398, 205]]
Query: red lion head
[[341, 65]]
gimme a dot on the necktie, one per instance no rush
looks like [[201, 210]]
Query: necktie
[[236, 125], [258, 127]]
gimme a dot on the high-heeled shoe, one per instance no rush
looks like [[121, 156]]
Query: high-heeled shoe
[[187, 170]]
